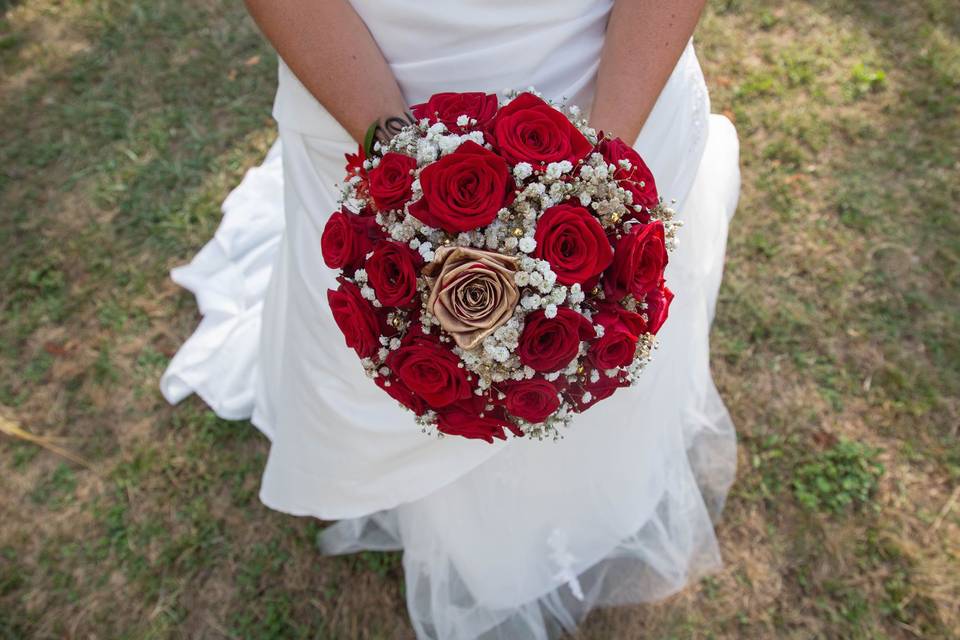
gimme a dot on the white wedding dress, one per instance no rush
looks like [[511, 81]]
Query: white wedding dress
[[513, 540]]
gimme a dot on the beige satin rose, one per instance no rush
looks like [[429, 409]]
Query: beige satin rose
[[472, 292]]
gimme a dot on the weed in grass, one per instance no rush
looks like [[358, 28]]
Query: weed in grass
[[23, 454], [263, 566], [842, 477], [767, 20], [112, 316], [864, 81], [56, 490], [382, 563], [11, 572], [14, 623], [38, 367], [273, 619], [105, 371], [761, 84]]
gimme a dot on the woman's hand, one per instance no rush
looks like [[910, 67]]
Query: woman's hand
[[385, 128], [643, 43], [328, 47]]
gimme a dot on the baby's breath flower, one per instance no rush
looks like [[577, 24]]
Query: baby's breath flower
[[527, 244], [522, 171], [531, 301]]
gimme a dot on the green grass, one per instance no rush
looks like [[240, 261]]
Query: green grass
[[841, 477], [836, 345]]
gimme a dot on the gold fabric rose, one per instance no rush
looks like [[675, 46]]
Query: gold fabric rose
[[472, 292]]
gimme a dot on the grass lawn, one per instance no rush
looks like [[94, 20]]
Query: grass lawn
[[836, 346]]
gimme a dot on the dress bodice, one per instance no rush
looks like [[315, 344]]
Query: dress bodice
[[490, 45], [495, 45]]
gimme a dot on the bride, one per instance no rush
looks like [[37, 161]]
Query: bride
[[518, 539]]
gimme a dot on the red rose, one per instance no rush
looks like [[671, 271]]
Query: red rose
[[658, 305], [401, 393], [390, 181], [638, 262], [615, 348], [638, 179], [549, 344], [573, 242], [346, 239], [431, 371], [618, 345], [356, 318], [471, 421], [392, 273], [530, 130], [602, 389], [463, 190], [447, 107], [534, 400], [612, 316]]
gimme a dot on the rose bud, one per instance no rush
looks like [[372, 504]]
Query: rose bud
[[391, 181]]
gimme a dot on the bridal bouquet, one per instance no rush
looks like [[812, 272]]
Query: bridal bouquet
[[501, 265]]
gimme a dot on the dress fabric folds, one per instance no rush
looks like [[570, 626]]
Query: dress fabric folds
[[519, 539]]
